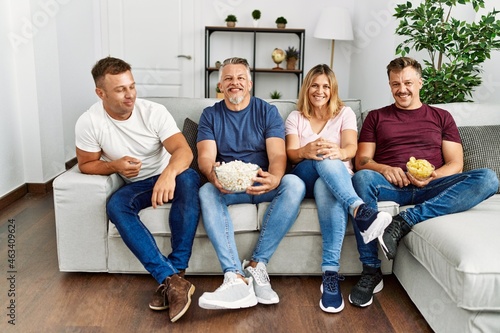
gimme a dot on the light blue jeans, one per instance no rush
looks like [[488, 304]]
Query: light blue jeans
[[329, 183], [446, 195], [123, 210], [278, 219]]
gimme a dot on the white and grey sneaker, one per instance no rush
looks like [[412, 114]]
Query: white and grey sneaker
[[234, 293], [261, 283]]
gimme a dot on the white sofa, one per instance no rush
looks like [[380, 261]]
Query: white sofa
[[449, 266], [87, 241]]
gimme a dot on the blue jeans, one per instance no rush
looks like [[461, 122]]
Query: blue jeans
[[329, 182], [279, 217], [123, 210], [446, 195]]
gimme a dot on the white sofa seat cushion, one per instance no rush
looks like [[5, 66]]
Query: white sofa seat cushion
[[461, 251], [244, 217], [307, 222]]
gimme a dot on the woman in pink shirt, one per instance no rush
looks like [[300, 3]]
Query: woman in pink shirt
[[321, 140]]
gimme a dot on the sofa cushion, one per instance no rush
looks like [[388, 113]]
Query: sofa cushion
[[461, 251], [481, 145], [244, 217]]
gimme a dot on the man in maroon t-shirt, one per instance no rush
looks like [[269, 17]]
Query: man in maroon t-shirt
[[388, 138]]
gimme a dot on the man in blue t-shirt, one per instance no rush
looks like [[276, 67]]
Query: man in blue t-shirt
[[388, 138], [248, 129]]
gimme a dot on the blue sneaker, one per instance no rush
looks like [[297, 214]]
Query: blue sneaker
[[371, 223], [331, 298]]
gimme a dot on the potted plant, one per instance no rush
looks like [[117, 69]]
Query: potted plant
[[256, 17], [456, 49], [231, 21], [281, 22], [292, 55], [275, 94], [219, 94]]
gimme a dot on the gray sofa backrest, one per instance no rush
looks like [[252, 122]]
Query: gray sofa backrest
[[183, 107]]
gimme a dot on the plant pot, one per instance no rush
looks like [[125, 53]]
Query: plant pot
[[220, 95], [281, 25], [230, 24], [291, 63], [255, 23]]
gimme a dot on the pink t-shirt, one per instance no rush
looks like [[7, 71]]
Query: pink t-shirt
[[299, 125]]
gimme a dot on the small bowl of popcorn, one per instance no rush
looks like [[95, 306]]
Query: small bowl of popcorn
[[419, 168], [236, 176]]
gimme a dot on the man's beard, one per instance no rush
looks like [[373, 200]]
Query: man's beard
[[236, 100]]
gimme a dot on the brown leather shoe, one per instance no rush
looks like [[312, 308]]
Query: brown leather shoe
[[179, 292], [159, 301]]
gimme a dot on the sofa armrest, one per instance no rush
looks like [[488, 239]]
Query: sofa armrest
[[81, 219]]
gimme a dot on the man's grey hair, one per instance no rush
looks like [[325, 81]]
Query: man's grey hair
[[236, 61]]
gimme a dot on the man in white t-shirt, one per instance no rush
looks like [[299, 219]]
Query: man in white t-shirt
[[140, 141]]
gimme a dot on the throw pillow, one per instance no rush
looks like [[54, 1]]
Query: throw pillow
[[481, 146], [190, 131]]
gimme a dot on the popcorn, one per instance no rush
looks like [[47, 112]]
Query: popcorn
[[236, 176]]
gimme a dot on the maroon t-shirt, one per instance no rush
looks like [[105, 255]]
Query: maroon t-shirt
[[400, 134]]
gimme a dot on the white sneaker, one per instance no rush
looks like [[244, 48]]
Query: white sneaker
[[234, 293], [261, 283], [371, 223]]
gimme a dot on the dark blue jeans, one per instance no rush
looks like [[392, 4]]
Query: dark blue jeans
[[123, 210], [446, 195]]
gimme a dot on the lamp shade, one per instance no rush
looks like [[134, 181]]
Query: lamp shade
[[334, 23]]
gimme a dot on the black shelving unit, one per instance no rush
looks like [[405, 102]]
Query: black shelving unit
[[300, 33]]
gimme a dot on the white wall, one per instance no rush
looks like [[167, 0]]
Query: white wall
[[46, 83], [11, 173], [47, 55]]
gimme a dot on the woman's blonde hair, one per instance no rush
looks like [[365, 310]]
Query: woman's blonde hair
[[334, 105]]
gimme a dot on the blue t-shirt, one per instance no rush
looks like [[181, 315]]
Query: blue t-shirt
[[241, 135]]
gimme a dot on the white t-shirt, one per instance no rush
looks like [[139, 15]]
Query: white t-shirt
[[299, 125], [141, 136]]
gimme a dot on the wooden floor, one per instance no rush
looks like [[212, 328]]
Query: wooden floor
[[47, 300]]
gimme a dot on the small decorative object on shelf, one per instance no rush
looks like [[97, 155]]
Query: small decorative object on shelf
[[292, 55], [278, 56], [231, 21], [218, 64], [275, 94], [220, 94], [281, 22], [256, 17]]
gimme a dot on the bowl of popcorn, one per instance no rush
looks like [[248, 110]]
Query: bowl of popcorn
[[419, 168], [236, 176]]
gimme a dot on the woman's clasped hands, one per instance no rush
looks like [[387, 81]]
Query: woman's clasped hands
[[322, 149]]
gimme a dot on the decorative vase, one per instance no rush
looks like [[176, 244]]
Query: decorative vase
[[230, 24], [291, 63]]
